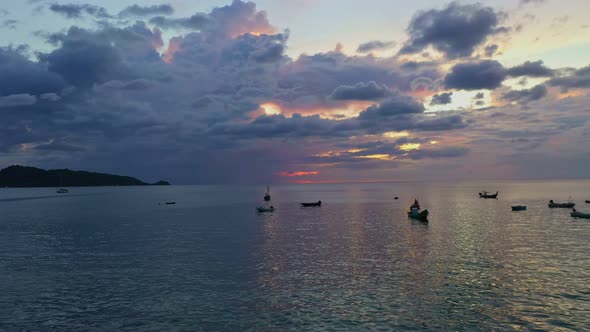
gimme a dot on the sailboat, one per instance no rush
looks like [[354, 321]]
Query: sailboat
[[61, 189]]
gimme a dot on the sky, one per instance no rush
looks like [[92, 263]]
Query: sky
[[297, 91]]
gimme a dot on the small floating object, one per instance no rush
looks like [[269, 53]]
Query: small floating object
[[396, 197], [487, 195], [265, 208], [568, 205], [167, 203], [587, 201], [577, 214], [519, 208], [318, 203]]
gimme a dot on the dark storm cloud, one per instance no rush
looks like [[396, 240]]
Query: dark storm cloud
[[487, 74], [535, 93], [375, 45], [360, 91], [392, 107], [78, 10], [85, 62], [455, 30], [22, 76], [574, 79], [441, 99], [142, 11], [530, 69]]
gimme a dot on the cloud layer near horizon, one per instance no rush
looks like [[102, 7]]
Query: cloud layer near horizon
[[221, 102]]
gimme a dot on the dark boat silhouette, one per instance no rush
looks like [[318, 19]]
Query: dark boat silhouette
[[567, 205], [487, 195], [519, 208], [267, 195], [318, 203], [416, 214]]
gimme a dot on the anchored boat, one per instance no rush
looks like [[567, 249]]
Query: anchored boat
[[485, 194], [318, 203], [570, 204], [416, 214], [519, 208]]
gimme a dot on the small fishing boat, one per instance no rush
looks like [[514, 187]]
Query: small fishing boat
[[567, 205], [519, 208], [577, 214], [416, 214], [267, 195], [265, 209], [587, 201], [318, 203], [485, 194]]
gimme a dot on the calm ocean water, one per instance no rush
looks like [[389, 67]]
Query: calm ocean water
[[112, 259]]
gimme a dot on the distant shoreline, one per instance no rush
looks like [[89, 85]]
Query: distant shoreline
[[31, 177]]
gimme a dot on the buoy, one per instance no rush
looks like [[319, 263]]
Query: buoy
[[396, 197]]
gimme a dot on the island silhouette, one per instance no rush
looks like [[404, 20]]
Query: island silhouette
[[25, 176]]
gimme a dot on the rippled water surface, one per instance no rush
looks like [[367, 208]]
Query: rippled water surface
[[112, 259]]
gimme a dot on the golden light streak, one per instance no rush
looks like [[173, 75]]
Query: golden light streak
[[376, 156], [410, 146], [396, 134]]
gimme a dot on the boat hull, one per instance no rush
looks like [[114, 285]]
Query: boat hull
[[519, 208], [262, 209], [561, 205], [311, 204], [580, 215], [421, 216]]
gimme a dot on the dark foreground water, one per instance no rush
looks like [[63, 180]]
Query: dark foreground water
[[112, 259]]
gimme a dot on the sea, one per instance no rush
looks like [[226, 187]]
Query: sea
[[119, 259]]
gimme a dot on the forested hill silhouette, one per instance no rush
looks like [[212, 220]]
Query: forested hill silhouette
[[23, 176]]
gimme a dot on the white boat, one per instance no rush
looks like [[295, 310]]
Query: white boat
[[61, 189]]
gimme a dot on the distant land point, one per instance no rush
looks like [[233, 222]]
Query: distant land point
[[24, 176]]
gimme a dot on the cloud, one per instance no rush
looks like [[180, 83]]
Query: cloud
[[455, 30], [375, 45], [9, 24], [392, 107], [486, 74], [360, 91], [490, 50], [17, 100], [530, 69], [441, 99], [143, 11], [22, 76], [526, 2], [573, 79], [535, 93], [223, 22], [196, 22], [78, 10]]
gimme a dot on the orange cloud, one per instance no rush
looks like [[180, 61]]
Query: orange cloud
[[297, 174], [173, 47]]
